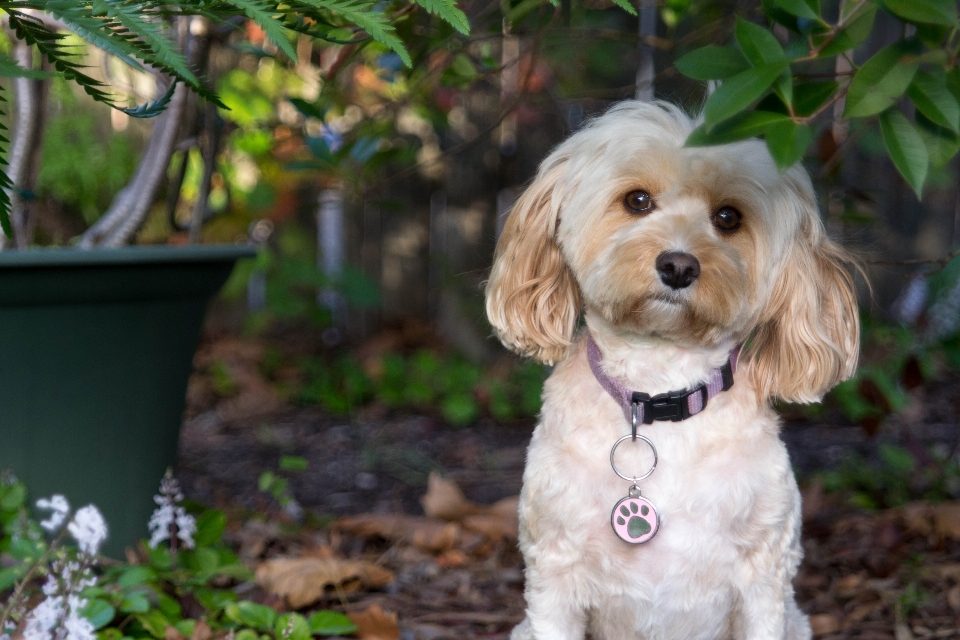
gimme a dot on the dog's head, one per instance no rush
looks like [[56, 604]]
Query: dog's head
[[697, 246]]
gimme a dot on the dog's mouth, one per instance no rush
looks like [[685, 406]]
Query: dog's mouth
[[672, 300]]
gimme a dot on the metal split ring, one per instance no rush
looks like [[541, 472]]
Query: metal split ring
[[633, 479]]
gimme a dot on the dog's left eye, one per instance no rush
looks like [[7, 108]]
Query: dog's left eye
[[727, 219], [638, 202]]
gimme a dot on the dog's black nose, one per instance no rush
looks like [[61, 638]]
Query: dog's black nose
[[677, 270]]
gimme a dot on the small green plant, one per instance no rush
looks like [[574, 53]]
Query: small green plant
[[895, 477], [457, 388], [224, 384], [134, 601], [278, 487]]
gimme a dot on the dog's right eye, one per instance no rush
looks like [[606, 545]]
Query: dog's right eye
[[638, 202]]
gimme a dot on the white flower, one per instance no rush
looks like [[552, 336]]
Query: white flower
[[76, 626], [44, 618], [169, 513], [59, 508], [160, 521], [186, 527], [88, 528]]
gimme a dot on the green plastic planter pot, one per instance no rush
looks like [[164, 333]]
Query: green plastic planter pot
[[95, 350]]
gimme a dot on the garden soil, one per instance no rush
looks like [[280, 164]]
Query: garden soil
[[408, 523]]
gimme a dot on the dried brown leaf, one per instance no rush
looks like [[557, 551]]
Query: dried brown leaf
[[445, 501], [953, 597], [375, 624], [946, 520], [302, 581], [201, 631], [824, 623], [426, 534], [849, 586], [171, 633]]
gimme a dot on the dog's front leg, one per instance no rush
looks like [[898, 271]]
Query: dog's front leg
[[762, 615], [552, 613]]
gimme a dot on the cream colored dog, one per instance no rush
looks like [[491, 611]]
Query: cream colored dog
[[674, 256]]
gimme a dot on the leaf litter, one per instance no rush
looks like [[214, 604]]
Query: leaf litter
[[455, 571]]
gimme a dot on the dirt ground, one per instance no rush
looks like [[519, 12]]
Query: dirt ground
[[866, 574]]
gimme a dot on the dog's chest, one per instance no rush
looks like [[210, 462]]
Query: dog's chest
[[707, 496]]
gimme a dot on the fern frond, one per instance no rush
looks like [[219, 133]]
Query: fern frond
[[263, 14], [364, 15], [151, 109], [32, 31], [312, 29], [159, 51], [94, 30], [10, 69], [6, 185], [448, 11]]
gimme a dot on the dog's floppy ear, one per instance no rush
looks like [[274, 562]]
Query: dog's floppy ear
[[532, 297], [809, 337]]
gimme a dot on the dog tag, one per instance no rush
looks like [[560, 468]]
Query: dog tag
[[634, 518]]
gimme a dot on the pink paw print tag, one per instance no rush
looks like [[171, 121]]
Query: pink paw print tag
[[634, 518]]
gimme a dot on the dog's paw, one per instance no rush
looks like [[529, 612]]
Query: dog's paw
[[635, 520]]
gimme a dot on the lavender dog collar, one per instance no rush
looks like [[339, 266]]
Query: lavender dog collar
[[642, 408]]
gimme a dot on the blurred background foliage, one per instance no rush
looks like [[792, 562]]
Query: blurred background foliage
[[422, 144]]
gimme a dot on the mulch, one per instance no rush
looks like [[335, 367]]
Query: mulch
[[866, 574]]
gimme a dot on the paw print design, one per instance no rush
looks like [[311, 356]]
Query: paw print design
[[635, 520]]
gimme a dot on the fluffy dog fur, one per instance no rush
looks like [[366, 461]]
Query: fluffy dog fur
[[722, 563]]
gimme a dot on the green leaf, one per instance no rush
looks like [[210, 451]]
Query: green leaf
[[135, 602], [448, 11], [521, 10], [98, 612], [210, 526], [856, 32], [298, 630], [26, 550], [10, 575], [293, 463], [12, 497], [860, 27], [136, 575], [783, 87], [929, 93], [759, 45], [152, 109], [155, 623], [251, 614], [363, 14], [926, 11], [809, 96], [952, 82], [712, 63], [144, 29], [32, 30], [264, 14], [773, 11], [809, 9], [787, 142], [331, 623], [623, 4], [740, 91], [942, 144], [740, 127], [10, 69], [906, 148], [880, 81]]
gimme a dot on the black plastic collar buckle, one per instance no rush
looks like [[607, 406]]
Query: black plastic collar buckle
[[671, 406]]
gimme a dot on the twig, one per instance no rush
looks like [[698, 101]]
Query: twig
[[940, 263], [518, 98]]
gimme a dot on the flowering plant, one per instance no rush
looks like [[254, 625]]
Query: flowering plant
[[59, 591]]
